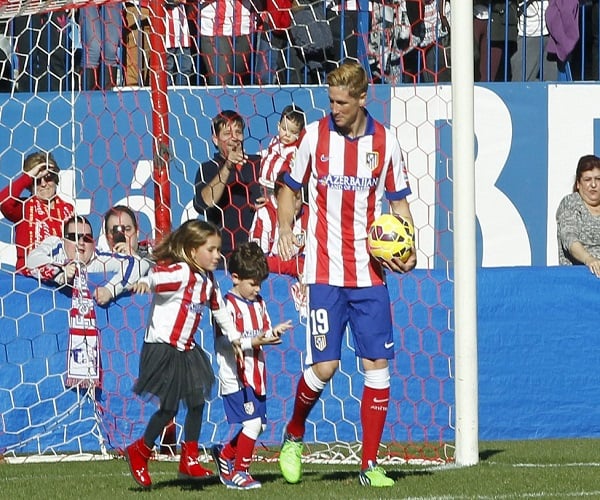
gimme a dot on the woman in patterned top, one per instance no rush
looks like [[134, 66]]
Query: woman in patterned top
[[578, 218]]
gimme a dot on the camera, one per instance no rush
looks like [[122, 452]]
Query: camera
[[118, 232]]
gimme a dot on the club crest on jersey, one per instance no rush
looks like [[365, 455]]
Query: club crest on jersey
[[249, 408], [372, 160], [320, 342]]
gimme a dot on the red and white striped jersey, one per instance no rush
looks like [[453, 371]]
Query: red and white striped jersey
[[177, 29], [180, 299], [251, 319], [265, 230], [347, 178], [227, 18], [276, 158]]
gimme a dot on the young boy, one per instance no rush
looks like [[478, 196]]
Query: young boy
[[243, 384], [282, 148]]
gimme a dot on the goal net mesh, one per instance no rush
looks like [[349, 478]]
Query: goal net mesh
[[106, 145]]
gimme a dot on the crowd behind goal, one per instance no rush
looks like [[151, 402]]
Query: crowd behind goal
[[229, 42]]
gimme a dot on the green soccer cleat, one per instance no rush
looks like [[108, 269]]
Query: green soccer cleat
[[375, 476], [290, 459]]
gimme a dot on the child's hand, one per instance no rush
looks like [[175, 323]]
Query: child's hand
[[140, 287], [282, 327], [273, 337], [264, 339], [102, 295], [237, 349], [259, 203]]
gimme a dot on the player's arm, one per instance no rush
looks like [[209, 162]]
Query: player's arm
[[286, 208], [402, 209]]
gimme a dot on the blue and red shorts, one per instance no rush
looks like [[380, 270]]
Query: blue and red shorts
[[332, 309]]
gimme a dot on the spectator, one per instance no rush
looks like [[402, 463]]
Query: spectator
[[578, 218], [56, 259], [433, 41], [312, 40], [226, 31], [584, 58], [343, 17], [242, 385], [227, 190], [41, 49], [282, 148], [265, 232], [277, 62], [531, 61], [40, 215], [178, 43], [101, 30], [346, 286], [6, 78], [389, 38], [495, 32], [122, 232], [408, 41], [562, 19], [136, 43]]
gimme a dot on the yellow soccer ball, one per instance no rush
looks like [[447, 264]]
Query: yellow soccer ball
[[390, 237]]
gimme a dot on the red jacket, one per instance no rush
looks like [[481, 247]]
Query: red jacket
[[35, 219], [278, 14]]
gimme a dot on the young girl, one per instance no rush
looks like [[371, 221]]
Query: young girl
[[242, 383], [172, 367]]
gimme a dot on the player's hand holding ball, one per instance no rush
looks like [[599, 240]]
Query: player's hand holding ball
[[391, 242]]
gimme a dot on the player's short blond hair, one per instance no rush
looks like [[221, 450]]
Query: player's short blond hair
[[350, 75]]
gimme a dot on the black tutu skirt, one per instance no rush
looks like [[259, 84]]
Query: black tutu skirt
[[174, 376]]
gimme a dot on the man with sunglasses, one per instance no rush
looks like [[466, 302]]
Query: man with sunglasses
[[40, 215], [56, 259]]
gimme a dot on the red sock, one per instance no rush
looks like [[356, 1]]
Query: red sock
[[303, 403], [245, 450], [229, 451], [373, 411]]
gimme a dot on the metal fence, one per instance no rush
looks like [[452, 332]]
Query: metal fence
[[400, 42]]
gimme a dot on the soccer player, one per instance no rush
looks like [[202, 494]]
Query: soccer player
[[349, 161]]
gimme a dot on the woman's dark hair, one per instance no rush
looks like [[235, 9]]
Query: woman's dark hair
[[585, 164]]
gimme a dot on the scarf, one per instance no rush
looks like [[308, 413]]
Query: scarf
[[83, 354]]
